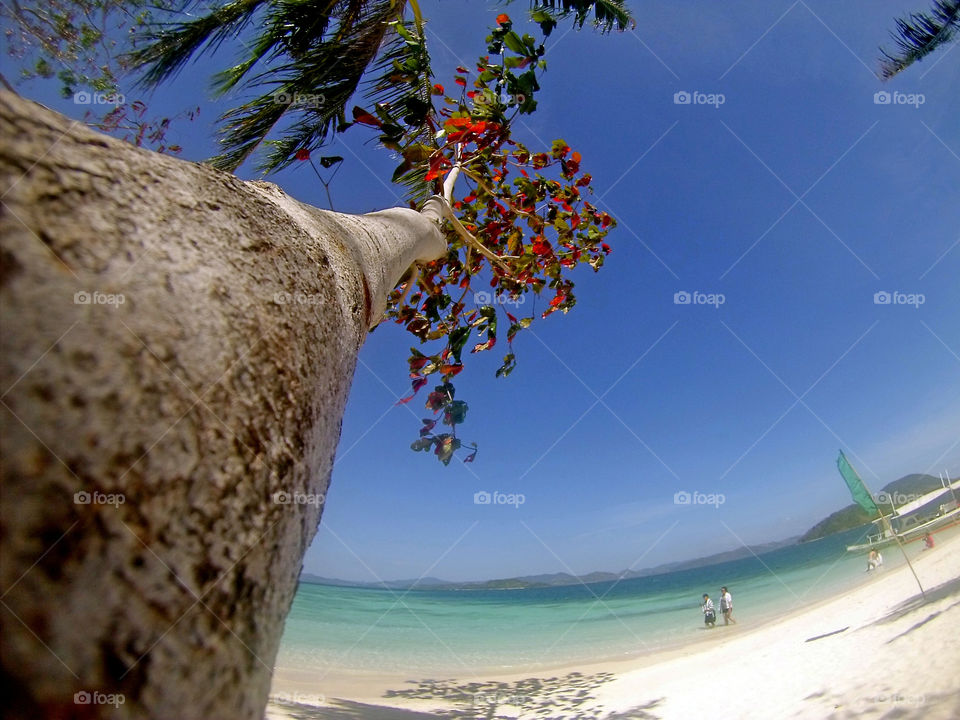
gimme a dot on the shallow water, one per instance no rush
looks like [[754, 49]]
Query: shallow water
[[432, 631]]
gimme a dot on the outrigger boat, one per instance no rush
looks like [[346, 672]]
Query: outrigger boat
[[944, 514], [910, 521]]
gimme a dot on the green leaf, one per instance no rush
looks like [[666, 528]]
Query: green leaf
[[423, 443], [455, 413], [458, 338], [509, 363]]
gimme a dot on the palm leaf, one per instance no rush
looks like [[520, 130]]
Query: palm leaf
[[607, 14], [919, 35], [171, 45], [312, 88]]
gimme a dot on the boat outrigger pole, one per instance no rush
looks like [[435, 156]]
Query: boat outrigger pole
[[862, 497]]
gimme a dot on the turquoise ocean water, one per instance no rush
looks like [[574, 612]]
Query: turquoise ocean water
[[420, 632]]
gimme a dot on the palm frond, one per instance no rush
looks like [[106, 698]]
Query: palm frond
[[170, 46], [607, 14], [919, 35], [310, 80]]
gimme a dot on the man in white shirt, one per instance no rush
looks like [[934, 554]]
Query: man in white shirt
[[726, 606]]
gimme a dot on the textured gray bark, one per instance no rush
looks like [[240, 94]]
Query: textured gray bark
[[218, 382]]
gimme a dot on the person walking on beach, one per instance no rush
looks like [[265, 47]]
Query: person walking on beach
[[928, 541], [709, 614], [726, 606], [873, 560]]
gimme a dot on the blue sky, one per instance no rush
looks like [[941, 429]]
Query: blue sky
[[797, 199]]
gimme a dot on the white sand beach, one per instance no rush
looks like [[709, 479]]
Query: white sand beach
[[880, 651]]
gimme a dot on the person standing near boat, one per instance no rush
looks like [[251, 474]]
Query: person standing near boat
[[726, 606], [928, 541], [709, 614]]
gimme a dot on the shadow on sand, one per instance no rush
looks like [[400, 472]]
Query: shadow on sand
[[557, 698], [917, 602]]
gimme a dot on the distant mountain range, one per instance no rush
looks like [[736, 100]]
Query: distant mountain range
[[854, 516], [553, 579], [846, 519]]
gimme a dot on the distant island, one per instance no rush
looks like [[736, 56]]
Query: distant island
[[853, 516], [553, 579], [848, 518]]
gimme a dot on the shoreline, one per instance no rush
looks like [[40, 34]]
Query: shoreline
[[686, 677]]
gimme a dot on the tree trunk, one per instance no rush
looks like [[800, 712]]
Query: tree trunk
[[177, 349]]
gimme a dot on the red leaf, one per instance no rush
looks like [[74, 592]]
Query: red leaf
[[418, 363], [512, 318], [418, 383], [470, 457], [606, 248], [502, 18], [541, 247], [480, 347], [438, 89], [364, 118], [303, 154], [461, 82], [462, 69]]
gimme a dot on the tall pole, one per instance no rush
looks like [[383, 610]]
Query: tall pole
[[949, 485], [896, 537]]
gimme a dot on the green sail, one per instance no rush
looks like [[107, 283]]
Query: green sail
[[861, 496]]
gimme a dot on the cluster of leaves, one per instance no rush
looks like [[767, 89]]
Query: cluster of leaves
[[82, 44], [525, 217]]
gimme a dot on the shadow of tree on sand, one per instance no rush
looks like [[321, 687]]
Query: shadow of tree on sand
[[556, 698], [335, 709]]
